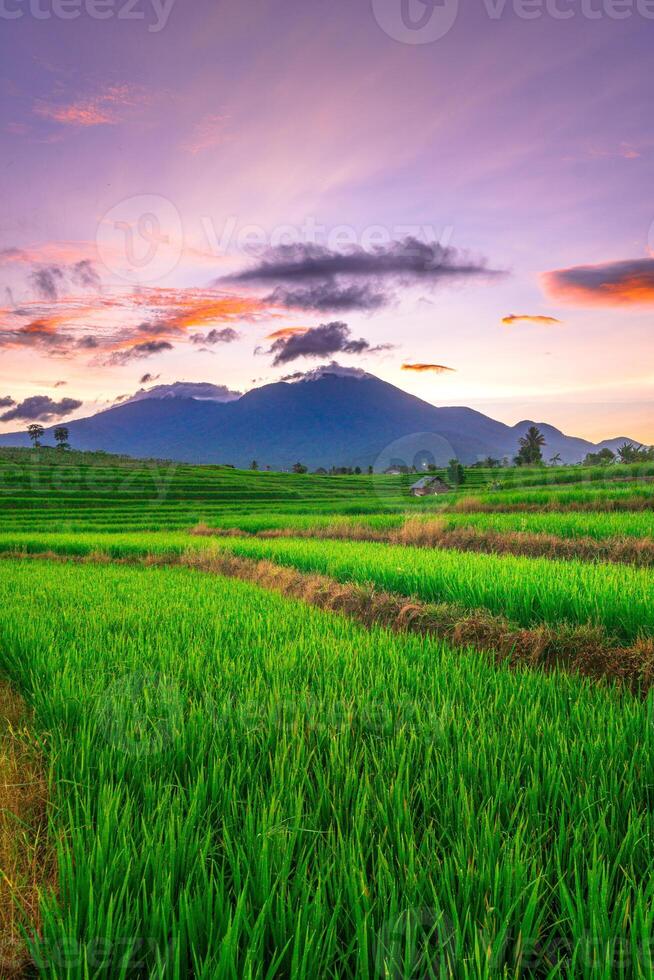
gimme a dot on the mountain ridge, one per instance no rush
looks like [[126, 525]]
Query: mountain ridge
[[331, 420]]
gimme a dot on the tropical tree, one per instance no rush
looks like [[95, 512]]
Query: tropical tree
[[531, 447], [299, 467], [455, 473], [628, 453], [254, 465], [603, 458], [36, 433], [61, 437], [555, 460]]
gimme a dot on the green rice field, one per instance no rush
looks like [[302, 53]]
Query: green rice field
[[243, 785]]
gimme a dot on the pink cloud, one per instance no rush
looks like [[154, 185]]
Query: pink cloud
[[105, 109], [209, 132]]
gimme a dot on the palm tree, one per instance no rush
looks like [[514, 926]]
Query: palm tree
[[61, 437], [531, 447], [555, 460], [36, 433]]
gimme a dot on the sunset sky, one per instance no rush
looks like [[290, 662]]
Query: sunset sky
[[240, 191]]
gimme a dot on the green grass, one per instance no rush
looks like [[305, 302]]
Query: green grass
[[246, 787], [528, 591]]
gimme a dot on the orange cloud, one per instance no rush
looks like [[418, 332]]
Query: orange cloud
[[529, 318], [623, 283], [105, 109], [434, 368], [284, 332]]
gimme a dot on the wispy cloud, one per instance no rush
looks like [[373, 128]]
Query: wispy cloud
[[207, 133], [433, 368], [107, 108], [529, 318], [314, 277]]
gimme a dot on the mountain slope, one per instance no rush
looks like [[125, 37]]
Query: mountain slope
[[332, 420]]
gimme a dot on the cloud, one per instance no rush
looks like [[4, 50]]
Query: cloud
[[84, 274], [209, 132], [529, 318], [6, 401], [624, 283], [286, 332], [107, 108], [46, 280], [200, 390], [147, 349], [311, 276], [41, 408], [60, 384], [333, 368], [147, 378], [328, 338], [226, 336], [434, 368], [326, 297]]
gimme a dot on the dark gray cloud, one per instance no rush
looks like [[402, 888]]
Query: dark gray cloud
[[313, 276], [88, 343], [329, 297], [6, 401], [147, 349], [148, 378], [83, 273], [41, 408], [322, 341], [46, 280], [225, 336], [60, 384]]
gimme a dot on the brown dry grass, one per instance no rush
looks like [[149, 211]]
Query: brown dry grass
[[417, 532], [26, 862], [588, 650]]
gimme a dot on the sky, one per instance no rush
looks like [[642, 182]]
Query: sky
[[453, 196]]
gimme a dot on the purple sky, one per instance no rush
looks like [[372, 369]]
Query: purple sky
[[150, 160]]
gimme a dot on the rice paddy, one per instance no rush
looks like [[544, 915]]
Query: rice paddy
[[231, 782]]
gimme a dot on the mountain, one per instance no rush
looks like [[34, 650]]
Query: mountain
[[327, 420]]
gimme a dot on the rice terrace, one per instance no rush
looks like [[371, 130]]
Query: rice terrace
[[326, 490], [269, 724]]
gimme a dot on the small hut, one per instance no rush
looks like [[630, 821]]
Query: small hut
[[429, 486]]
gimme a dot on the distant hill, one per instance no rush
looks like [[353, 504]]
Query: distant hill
[[330, 420]]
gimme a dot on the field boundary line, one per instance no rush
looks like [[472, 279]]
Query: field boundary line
[[434, 533], [586, 650]]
